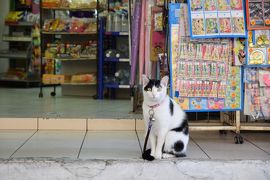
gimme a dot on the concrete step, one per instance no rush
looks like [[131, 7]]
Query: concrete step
[[54, 169]]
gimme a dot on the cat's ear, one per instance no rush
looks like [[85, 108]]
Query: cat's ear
[[164, 81], [145, 80]]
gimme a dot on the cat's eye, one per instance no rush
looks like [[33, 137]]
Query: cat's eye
[[149, 89]]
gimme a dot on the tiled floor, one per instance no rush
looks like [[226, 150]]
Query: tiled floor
[[125, 145], [25, 103]]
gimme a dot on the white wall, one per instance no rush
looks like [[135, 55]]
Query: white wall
[[4, 9]]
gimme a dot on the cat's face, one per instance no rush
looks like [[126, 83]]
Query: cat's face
[[154, 90]]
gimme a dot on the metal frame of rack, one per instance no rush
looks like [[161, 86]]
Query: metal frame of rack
[[43, 33], [229, 121], [102, 59], [256, 125], [19, 55]]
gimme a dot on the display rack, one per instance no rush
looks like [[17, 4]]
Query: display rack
[[109, 65], [258, 16], [257, 74], [216, 19], [73, 69], [22, 69], [230, 108]]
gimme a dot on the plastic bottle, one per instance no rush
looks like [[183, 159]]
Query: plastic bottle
[[124, 23], [116, 23], [109, 22]]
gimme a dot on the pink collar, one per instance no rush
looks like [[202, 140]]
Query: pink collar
[[155, 105]]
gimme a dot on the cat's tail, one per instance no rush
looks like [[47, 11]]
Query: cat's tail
[[147, 155]]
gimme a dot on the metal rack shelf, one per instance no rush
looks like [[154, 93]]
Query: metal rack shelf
[[18, 80], [116, 86], [74, 58], [20, 23], [111, 59], [79, 84], [117, 33], [17, 38], [68, 9], [69, 33], [14, 54]]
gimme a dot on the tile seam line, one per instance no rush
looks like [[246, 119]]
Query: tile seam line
[[251, 142], [138, 135], [138, 140], [79, 153], [200, 147], [23, 144]]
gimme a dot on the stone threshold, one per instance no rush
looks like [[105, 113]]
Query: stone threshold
[[70, 124]]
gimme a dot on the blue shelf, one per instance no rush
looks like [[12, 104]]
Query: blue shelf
[[213, 110], [116, 86], [117, 33], [112, 59], [102, 35], [257, 66]]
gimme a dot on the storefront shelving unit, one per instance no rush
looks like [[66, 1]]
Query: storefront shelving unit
[[229, 115], [19, 51], [111, 62], [71, 65]]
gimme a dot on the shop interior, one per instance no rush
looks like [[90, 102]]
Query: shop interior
[[64, 72], [83, 59], [85, 72]]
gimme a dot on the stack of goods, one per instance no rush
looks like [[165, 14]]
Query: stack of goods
[[15, 74], [117, 21], [60, 50], [36, 52], [53, 79], [72, 25], [69, 3], [117, 18], [14, 17], [83, 78], [259, 47]]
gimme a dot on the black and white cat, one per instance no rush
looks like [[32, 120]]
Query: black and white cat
[[169, 135]]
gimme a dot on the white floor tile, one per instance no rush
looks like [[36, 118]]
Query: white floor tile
[[110, 145], [223, 147], [260, 139], [10, 141], [55, 144]]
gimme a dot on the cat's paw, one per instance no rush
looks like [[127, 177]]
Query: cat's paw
[[153, 153], [158, 155], [166, 156]]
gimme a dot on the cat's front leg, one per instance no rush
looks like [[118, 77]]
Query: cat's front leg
[[160, 142], [153, 141]]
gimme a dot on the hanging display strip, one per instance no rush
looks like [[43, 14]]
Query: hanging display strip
[[258, 48], [258, 14], [257, 75], [257, 93], [202, 78], [216, 18]]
